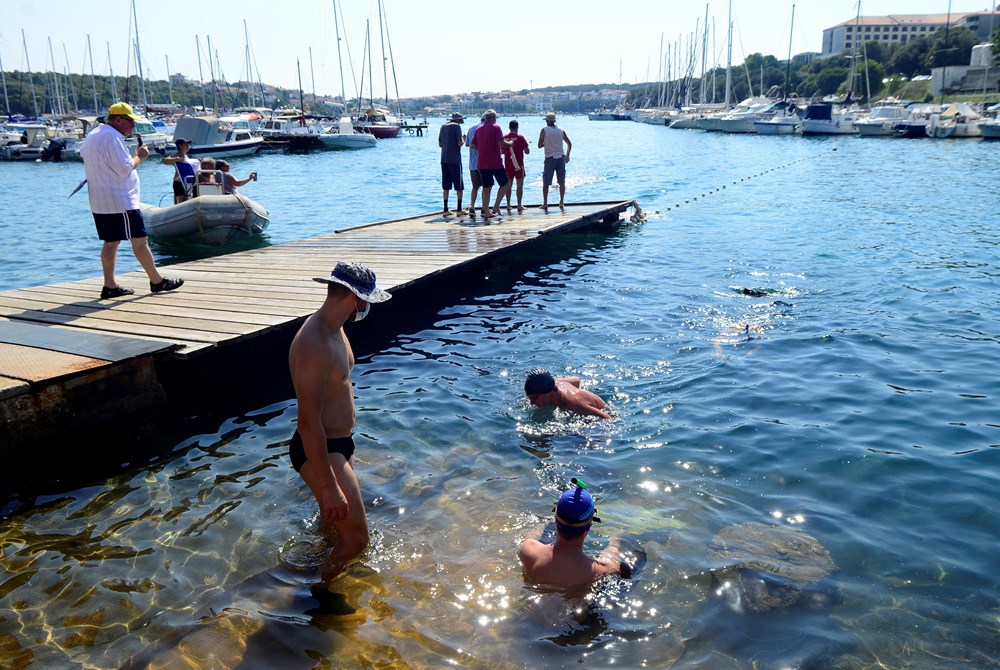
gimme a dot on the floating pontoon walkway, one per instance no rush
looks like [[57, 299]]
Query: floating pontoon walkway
[[64, 354]]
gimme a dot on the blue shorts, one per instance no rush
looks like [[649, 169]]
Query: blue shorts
[[489, 175], [121, 226], [554, 165], [451, 177]]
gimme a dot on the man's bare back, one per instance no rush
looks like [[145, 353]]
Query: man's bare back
[[543, 390]]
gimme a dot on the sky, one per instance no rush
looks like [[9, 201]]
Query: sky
[[437, 47]]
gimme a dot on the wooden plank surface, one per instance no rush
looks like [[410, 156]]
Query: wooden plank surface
[[230, 297], [31, 364]]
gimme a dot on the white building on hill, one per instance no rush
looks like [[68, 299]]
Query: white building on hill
[[901, 28]]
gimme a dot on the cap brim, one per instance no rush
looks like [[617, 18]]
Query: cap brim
[[377, 295]]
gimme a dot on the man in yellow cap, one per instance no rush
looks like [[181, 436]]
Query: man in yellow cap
[[113, 188]]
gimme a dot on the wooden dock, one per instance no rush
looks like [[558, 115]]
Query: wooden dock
[[66, 357]]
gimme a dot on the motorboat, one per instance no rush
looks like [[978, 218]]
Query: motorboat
[[742, 121], [33, 138], [828, 118], [917, 122], [379, 122], [958, 120], [210, 136], [713, 122], [210, 217], [990, 129], [344, 136], [784, 122], [884, 114], [297, 132]]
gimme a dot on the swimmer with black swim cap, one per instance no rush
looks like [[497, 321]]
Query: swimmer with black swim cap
[[544, 390]]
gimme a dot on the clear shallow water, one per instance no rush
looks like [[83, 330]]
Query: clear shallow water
[[862, 411]]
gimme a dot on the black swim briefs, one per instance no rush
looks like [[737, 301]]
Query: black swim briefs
[[334, 445]]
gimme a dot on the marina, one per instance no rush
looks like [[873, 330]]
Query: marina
[[791, 320]]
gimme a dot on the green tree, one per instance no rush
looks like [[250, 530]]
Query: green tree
[[950, 47], [824, 82], [908, 59], [996, 43]]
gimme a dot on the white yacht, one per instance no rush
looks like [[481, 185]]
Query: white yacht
[[829, 118], [885, 114], [209, 136]]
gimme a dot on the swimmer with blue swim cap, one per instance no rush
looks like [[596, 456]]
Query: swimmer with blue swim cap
[[563, 563]]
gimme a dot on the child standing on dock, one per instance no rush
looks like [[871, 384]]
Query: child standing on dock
[[514, 163]]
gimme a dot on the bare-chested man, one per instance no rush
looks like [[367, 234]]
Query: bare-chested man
[[321, 360], [563, 563], [543, 390]]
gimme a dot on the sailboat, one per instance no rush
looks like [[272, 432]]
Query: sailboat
[[836, 117], [343, 135], [786, 120], [376, 120]]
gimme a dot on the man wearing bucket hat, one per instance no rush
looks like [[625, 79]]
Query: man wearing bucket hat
[[320, 361], [451, 140], [563, 562], [113, 188]]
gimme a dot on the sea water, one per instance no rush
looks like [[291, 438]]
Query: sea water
[[850, 393]]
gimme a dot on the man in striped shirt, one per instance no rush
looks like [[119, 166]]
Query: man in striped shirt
[[113, 187]]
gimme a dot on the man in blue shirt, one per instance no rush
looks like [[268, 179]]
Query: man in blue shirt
[[477, 181], [450, 140]]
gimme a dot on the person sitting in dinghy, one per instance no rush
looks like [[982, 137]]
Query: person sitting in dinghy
[[207, 173], [229, 182]]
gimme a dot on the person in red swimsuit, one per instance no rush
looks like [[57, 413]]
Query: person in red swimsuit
[[513, 157]]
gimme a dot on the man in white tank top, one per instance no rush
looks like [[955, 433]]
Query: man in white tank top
[[551, 139]]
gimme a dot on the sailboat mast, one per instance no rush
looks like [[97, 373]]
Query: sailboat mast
[[704, 58], [340, 62], [211, 73], [392, 64], [371, 84], [57, 102], [170, 86], [729, 56], [201, 77], [381, 32], [31, 84], [788, 64], [302, 103], [312, 75], [986, 76], [69, 83], [246, 56], [944, 72], [111, 69], [138, 58], [6, 100], [93, 79]]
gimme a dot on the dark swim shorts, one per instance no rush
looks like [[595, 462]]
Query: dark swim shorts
[[334, 445], [118, 227]]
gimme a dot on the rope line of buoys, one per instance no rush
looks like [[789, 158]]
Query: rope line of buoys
[[716, 189]]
